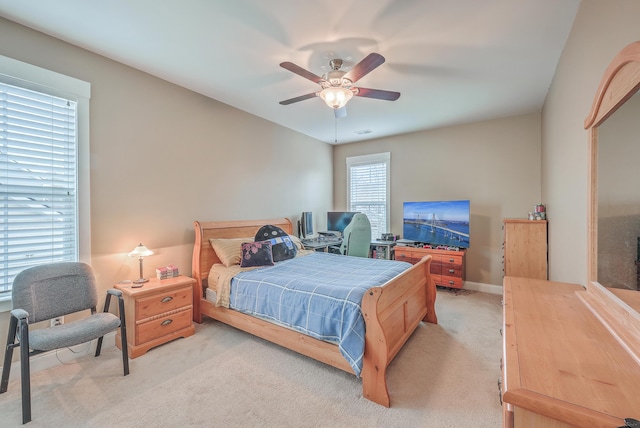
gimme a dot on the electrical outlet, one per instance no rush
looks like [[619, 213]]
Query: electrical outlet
[[57, 321]]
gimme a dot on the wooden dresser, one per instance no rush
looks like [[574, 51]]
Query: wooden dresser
[[157, 312], [525, 248], [571, 356], [447, 267]]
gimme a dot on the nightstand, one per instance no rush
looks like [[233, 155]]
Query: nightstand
[[156, 313]]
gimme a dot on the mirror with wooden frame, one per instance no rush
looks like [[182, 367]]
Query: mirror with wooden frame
[[614, 175]]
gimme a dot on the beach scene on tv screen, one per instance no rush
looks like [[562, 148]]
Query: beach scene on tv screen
[[437, 222]]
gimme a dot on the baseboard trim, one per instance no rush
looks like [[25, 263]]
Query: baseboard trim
[[485, 288], [58, 357]]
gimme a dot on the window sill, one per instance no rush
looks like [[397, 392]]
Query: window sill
[[5, 304]]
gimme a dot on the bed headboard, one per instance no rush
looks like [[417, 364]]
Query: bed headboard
[[203, 255]]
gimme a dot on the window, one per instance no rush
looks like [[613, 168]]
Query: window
[[368, 189], [40, 149]]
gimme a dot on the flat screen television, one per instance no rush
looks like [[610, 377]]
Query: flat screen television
[[338, 220], [306, 224], [444, 223]]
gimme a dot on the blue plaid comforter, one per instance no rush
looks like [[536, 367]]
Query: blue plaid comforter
[[319, 295]]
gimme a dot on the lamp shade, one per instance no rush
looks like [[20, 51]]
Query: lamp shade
[[336, 97], [140, 251]]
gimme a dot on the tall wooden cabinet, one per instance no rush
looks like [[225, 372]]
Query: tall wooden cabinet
[[525, 248]]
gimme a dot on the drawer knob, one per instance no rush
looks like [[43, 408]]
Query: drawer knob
[[167, 299], [451, 260], [452, 271], [166, 322], [451, 282]]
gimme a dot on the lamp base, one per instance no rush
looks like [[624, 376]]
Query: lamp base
[[140, 281]]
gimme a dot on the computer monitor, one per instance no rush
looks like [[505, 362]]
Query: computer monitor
[[306, 224], [338, 220]]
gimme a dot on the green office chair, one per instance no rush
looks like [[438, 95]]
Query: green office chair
[[356, 239]]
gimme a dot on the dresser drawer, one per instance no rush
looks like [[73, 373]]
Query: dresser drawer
[[448, 281], [448, 260], [451, 270], [409, 256], [163, 302], [156, 328]]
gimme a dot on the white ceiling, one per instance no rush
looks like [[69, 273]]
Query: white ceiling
[[453, 61]]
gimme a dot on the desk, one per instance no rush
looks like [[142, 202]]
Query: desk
[[382, 249], [320, 244]]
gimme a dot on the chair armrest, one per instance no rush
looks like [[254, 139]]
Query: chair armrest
[[114, 292], [118, 294], [20, 314]]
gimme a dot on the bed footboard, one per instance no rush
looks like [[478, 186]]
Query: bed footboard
[[392, 312]]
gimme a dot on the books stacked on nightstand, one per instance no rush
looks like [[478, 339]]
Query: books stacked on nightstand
[[167, 272]]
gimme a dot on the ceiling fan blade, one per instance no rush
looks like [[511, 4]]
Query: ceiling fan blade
[[376, 93], [300, 98], [368, 64], [301, 72], [340, 112]]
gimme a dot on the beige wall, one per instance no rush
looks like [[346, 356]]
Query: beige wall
[[163, 156], [600, 30], [495, 164]]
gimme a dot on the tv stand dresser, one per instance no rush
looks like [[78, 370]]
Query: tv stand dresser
[[447, 266]]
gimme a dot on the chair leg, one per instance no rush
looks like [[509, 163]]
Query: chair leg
[[8, 354], [123, 336], [123, 332], [24, 372]]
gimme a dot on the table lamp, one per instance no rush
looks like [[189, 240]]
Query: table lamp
[[140, 252]]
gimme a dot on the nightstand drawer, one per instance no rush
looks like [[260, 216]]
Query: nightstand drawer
[[163, 302], [150, 330]]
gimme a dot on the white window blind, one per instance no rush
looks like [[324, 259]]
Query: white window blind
[[38, 181], [368, 189]]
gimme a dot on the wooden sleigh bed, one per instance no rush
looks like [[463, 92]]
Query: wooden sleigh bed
[[391, 312]]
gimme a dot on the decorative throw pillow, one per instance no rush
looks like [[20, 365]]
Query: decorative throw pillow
[[256, 254], [228, 250], [282, 246]]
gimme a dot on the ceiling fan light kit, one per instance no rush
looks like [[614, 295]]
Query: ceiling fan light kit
[[336, 97], [337, 84]]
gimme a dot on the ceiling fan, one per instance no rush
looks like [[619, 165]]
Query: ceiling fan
[[337, 85]]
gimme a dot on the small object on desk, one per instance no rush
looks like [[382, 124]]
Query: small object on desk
[[137, 285]]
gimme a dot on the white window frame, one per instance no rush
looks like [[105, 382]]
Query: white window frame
[[28, 76], [363, 160]]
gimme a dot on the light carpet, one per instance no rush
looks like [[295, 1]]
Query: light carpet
[[445, 376]]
